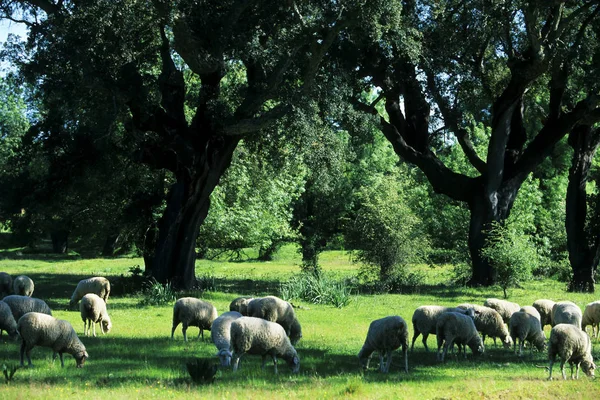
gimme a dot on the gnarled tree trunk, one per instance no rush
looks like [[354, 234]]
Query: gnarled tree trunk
[[60, 241]]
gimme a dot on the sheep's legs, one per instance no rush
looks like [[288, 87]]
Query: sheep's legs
[[562, 368], [27, 352], [415, 336], [275, 363], [184, 329], [175, 324], [93, 327], [235, 360], [201, 333], [388, 360], [60, 354], [550, 368], [405, 351], [425, 336]]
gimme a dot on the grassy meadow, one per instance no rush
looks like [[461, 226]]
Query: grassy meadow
[[137, 359]]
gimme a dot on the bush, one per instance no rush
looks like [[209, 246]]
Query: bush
[[317, 289], [202, 371], [157, 294]]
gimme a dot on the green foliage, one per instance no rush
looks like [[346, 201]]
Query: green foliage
[[511, 255], [156, 294], [9, 372], [202, 370], [317, 289]]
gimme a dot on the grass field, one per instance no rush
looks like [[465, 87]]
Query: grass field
[[138, 360]]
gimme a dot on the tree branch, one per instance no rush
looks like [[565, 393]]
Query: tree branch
[[251, 125]]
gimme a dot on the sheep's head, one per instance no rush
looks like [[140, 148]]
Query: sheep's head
[[507, 342], [80, 358], [225, 357], [540, 342], [106, 325], [588, 367], [295, 364]]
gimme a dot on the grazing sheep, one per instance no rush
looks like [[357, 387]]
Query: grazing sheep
[[23, 286], [20, 305], [5, 284], [566, 312], [277, 310], [524, 326], [489, 322], [93, 311], [591, 316], [190, 311], [221, 335], [453, 327], [544, 307], [241, 305], [38, 329], [258, 336], [98, 285], [424, 321], [572, 345], [384, 336], [533, 312], [504, 308], [7, 321]]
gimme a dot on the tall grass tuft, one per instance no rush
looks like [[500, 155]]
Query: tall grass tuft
[[317, 289], [157, 294]]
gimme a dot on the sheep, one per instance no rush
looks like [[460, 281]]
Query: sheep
[[20, 305], [221, 336], [240, 305], [504, 308], [258, 336], [7, 321], [572, 345], [190, 311], [5, 284], [566, 312], [454, 327], [544, 307], [93, 311], [98, 285], [23, 286], [39, 329], [591, 316], [533, 312], [489, 322], [424, 320], [524, 326], [277, 310], [384, 336]]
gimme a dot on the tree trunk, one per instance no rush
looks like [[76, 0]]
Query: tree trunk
[[583, 251], [60, 241], [110, 244], [187, 207]]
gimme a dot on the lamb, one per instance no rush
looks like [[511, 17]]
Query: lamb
[[453, 327], [7, 321], [489, 322], [20, 305], [258, 336], [240, 305], [572, 345], [591, 316], [277, 310], [190, 311], [566, 312], [93, 311], [504, 308], [221, 336], [5, 284], [23, 286], [98, 285], [523, 327], [39, 329], [384, 336], [424, 321], [544, 307]]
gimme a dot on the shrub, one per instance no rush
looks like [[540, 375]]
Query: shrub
[[157, 294], [317, 289], [202, 371]]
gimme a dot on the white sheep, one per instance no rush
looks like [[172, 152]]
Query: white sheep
[[5, 284], [240, 304], [544, 307], [20, 305], [489, 322], [23, 286], [591, 316], [7, 321], [454, 327], [38, 329], [277, 310], [524, 326], [190, 311], [505, 308], [533, 312], [93, 311], [98, 285], [265, 338], [384, 336], [424, 321], [566, 312], [572, 345], [221, 336]]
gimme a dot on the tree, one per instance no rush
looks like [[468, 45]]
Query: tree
[[159, 67], [453, 63]]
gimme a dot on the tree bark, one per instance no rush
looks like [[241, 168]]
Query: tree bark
[[60, 241], [110, 244], [583, 248]]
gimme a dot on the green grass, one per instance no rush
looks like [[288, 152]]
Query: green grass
[[138, 360]]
